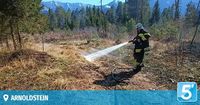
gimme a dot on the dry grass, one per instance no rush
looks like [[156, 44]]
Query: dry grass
[[170, 67], [19, 69], [62, 66]]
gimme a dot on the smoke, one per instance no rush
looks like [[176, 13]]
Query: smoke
[[98, 54]]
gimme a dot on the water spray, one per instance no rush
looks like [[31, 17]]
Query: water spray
[[98, 54]]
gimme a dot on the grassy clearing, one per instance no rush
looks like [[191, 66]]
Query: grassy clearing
[[62, 66]]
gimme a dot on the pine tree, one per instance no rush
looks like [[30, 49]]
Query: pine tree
[[191, 15], [101, 5], [139, 10], [93, 16], [75, 24], [145, 11], [197, 23], [88, 15], [177, 10], [133, 9], [166, 16], [155, 17], [125, 12], [3, 29], [99, 18], [111, 15], [120, 12], [82, 16], [21, 16], [130, 25], [67, 19], [52, 20], [60, 14]]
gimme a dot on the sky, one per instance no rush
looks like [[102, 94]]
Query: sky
[[94, 2]]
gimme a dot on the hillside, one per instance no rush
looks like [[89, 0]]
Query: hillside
[[73, 6]]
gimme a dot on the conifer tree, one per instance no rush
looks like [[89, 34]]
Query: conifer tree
[[155, 17]]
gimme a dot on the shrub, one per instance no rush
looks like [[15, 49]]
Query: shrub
[[164, 30]]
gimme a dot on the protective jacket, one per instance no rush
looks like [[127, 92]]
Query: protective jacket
[[141, 41]]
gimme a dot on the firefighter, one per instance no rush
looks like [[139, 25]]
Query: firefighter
[[141, 42]]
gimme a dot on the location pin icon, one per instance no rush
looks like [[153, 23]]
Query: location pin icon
[[5, 97]]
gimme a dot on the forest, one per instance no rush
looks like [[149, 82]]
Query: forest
[[23, 16]]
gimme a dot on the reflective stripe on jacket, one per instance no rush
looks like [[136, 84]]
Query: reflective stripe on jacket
[[144, 36], [138, 50]]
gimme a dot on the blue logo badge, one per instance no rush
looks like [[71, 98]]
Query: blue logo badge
[[187, 92]]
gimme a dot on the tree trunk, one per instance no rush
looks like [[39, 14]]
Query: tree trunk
[[1, 41], [13, 36], [101, 5], [141, 11], [195, 33], [7, 42], [197, 24], [42, 42], [1, 34], [19, 37], [1, 38]]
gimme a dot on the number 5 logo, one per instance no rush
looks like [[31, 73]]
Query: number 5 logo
[[187, 92]]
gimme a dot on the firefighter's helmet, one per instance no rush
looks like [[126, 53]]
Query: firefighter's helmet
[[139, 26]]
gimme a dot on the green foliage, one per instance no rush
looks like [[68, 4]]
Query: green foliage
[[120, 12], [21, 16], [82, 19], [111, 15], [122, 32], [155, 14], [167, 15], [125, 13], [25, 16], [130, 25], [67, 20], [177, 10], [75, 23], [145, 12], [60, 14], [78, 19], [165, 29], [191, 15], [139, 10], [133, 9], [52, 20]]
